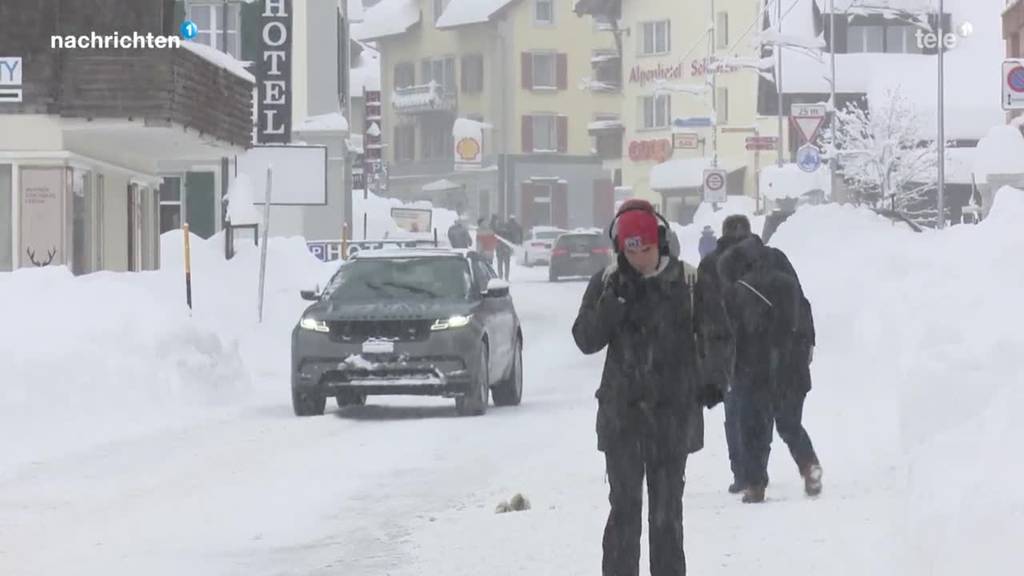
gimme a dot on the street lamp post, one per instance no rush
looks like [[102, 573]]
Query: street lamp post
[[778, 71]]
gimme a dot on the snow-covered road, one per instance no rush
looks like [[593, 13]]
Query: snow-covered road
[[404, 487]]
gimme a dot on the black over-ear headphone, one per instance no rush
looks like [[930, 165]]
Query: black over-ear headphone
[[663, 231]]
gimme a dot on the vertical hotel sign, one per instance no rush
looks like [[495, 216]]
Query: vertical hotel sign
[[274, 105]]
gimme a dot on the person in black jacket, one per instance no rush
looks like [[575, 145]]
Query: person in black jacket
[[773, 335], [715, 337], [649, 416], [458, 236]]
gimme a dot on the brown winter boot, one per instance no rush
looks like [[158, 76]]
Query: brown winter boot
[[753, 495], [812, 480]]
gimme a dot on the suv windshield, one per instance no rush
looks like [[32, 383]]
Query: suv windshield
[[400, 279], [581, 242]]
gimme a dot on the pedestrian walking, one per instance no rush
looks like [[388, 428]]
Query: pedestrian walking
[[649, 415]]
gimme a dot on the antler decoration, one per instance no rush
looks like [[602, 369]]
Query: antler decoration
[[50, 254]]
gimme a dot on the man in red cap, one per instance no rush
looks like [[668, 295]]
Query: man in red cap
[[649, 416]]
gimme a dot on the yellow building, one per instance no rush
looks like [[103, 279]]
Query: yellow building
[[690, 98], [516, 66]]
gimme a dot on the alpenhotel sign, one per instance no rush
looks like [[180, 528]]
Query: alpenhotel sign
[[274, 106]]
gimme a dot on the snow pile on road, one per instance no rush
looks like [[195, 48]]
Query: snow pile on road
[[928, 328], [1001, 151], [789, 181], [379, 223], [706, 215], [109, 355]]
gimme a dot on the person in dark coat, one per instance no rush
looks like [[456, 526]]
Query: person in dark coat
[[503, 250], [773, 335], [715, 337], [458, 236], [649, 415], [708, 243]]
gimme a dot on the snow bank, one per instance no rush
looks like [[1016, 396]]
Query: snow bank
[[378, 217], [1001, 151], [98, 358], [789, 181], [387, 18], [706, 215], [462, 12], [220, 59], [918, 342]]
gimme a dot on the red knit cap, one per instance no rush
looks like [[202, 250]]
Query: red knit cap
[[636, 228]]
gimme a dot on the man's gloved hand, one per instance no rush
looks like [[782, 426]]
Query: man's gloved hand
[[611, 308]]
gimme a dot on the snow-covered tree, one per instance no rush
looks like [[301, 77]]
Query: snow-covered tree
[[885, 154]]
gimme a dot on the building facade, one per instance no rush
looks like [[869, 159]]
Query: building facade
[[512, 70], [1013, 33], [88, 134]]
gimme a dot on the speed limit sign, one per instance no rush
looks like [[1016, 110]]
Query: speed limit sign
[[715, 189]]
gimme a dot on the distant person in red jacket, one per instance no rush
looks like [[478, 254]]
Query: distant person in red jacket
[[486, 241]]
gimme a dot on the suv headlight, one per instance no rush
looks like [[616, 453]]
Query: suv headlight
[[314, 325], [453, 322]]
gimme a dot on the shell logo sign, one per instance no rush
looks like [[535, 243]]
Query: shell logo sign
[[468, 150]]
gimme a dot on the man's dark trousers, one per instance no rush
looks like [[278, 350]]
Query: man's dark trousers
[[734, 436], [504, 265], [627, 462]]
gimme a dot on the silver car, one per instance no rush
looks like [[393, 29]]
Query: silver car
[[434, 322]]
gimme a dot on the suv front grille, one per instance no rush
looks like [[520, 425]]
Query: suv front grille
[[398, 330]]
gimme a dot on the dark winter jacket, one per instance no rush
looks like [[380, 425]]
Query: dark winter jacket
[[765, 303], [650, 386], [459, 237], [514, 232], [707, 244], [714, 334]]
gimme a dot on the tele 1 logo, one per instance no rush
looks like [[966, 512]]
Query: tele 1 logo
[[930, 40]]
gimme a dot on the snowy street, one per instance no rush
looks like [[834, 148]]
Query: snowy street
[[403, 486]]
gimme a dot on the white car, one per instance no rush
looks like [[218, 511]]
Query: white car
[[537, 244]]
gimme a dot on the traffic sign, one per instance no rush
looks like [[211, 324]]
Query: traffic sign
[[808, 158], [715, 188], [1013, 84], [761, 142], [693, 122], [685, 141], [808, 118]]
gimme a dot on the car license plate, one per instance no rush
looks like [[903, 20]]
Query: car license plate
[[581, 255], [378, 347]]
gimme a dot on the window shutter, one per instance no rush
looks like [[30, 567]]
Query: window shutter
[[527, 130], [464, 79], [560, 205], [563, 133], [527, 71], [562, 67]]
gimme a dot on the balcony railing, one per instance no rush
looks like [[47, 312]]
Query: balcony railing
[[423, 98]]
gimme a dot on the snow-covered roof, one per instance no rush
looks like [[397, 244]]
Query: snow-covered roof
[[463, 12], [789, 181], [1001, 151], [331, 122], [241, 210], [441, 186], [972, 89], [681, 173], [387, 18], [220, 59]]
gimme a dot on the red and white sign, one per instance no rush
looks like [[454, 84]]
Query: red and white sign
[[714, 185], [685, 140], [657, 150], [808, 119], [762, 142]]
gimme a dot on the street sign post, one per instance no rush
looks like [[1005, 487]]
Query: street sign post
[[808, 158], [808, 119], [715, 185], [685, 140], [1013, 84]]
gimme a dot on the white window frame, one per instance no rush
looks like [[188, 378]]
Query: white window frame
[[216, 27], [537, 120], [658, 103], [536, 5], [553, 56], [651, 28]]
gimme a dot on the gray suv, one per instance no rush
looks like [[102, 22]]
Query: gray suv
[[434, 322]]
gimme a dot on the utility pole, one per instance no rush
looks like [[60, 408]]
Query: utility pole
[[778, 71], [942, 127], [834, 160], [713, 46]]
